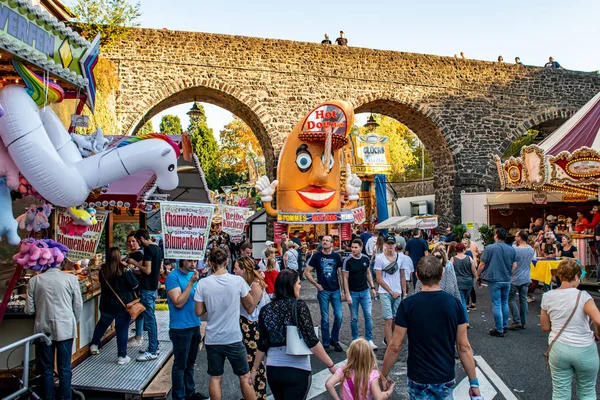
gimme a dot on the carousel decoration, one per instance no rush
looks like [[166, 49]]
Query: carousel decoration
[[567, 161]]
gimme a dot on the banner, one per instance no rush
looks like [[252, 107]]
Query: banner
[[279, 229], [234, 220], [186, 227], [359, 215], [346, 232], [83, 246], [315, 218], [539, 198], [430, 222]]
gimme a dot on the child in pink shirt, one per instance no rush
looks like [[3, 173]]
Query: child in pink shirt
[[359, 377]]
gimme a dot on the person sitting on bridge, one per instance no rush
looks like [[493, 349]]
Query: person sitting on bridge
[[552, 64]]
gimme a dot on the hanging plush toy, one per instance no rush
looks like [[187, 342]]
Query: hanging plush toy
[[42, 217], [26, 220], [81, 221], [8, 224], [40, 254]]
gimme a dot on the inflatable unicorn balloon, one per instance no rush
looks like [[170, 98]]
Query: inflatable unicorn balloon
[[46, 155]]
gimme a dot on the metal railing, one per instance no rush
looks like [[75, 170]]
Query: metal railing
[[25, 378]]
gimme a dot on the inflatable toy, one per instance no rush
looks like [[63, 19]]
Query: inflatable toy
[[93, 144], [40, 254], [80, 222], [8, 224], [46, 155], [1, 111], [8, 169], [42, 91], [308, 172]]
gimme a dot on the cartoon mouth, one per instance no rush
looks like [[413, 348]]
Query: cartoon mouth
[[315, 196]]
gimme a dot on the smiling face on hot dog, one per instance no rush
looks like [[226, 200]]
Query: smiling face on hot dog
[[309, 180]]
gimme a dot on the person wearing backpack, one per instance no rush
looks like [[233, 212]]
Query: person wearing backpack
[[359, 378], [392, 283]]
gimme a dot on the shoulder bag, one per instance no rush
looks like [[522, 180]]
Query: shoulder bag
[[294, 342], [547, 353], [134, 308], [392, 267]]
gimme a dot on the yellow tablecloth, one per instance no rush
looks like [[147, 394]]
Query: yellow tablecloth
[[542, 270]]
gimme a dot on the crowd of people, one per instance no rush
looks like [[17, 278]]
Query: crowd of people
[[256, 320]]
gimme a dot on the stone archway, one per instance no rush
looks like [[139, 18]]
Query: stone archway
[[224, 96], [427, 128]]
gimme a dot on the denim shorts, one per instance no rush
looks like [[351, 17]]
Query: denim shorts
[[422, 391], [389, 305], [234, 352]]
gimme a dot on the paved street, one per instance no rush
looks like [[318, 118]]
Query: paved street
[[512, 367]]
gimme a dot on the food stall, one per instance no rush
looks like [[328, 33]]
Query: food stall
[[566, 163]]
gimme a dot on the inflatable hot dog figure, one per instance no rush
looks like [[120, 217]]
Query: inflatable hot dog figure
[[308, 173]]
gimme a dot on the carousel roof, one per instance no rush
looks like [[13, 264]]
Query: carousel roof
[[581, 130]]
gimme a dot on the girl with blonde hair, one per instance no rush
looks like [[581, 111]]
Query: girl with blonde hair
[[245, 267], [359, 377]]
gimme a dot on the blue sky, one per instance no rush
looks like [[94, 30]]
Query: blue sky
[[530, 29]]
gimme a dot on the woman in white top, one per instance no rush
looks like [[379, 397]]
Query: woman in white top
[[290, 258], [244, 267], [574, 352]]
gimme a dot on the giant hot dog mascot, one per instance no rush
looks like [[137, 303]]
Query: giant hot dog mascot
[[308, 173]]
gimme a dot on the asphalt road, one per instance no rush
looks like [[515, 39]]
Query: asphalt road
[[512, 367]]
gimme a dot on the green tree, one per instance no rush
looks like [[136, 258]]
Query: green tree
[[147, 128], [238, 142], [110, 18], [170, 125], [514, 149], [206, 148]]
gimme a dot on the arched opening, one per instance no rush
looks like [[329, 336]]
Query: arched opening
[[435, 146], [533, 135], [202, 94]]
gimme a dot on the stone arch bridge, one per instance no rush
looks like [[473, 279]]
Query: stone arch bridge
[[464, 111]]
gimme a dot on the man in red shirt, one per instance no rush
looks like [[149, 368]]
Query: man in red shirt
[[595, 219]]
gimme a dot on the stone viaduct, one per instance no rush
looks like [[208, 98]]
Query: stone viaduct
[[464, 111]]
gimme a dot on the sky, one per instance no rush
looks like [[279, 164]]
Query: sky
[[483, 29]]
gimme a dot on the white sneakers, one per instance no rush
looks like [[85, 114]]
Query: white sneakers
[[373, 345], [123, 360], [147, 357], [136, 342], [94, 350]]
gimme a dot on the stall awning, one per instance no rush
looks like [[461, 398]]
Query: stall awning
[[392, 222], [421, 222], [126, 192]]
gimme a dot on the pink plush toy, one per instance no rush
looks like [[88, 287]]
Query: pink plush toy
[[74, 230], [8, 169], [28, 254], [26, 221], [40, 254]]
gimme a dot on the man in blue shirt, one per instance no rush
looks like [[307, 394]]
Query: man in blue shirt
[[553, 64], [416, 248], [495, 267], [184, 329], [364, 237], [327, 263]]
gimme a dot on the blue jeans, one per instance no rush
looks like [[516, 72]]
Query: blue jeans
[[139, 325], [185, 350], [45, 356], [122, 320], [464, 299], [499, 294], [148, 299], [364, 299], [325, 297], [519, 314], [437, 391]]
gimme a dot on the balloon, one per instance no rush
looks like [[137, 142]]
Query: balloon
[[8, 225], [46, 155]]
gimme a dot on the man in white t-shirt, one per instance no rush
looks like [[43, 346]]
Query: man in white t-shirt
[[392, 283], [370, 245], [220, 296]]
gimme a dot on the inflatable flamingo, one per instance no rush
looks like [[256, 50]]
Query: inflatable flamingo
[[46, 155]]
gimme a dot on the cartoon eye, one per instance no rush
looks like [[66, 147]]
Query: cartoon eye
[[330, 166], [303, 161], [171, 167]]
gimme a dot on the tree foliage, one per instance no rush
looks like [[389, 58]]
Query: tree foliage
[[515, 147], [170, 125], [110, 18], [238, 142], [147, 128], [206, 148]]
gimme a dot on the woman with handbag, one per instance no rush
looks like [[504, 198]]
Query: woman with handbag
[[244, 267], [288, 337], [117, 284], [566, 314]]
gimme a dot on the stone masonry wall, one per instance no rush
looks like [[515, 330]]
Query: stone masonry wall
[[414, 188], [463, 110]]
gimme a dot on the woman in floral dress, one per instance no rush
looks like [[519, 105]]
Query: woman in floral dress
[[244, 267]]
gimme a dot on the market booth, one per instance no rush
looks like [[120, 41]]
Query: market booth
[[566, 163]]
